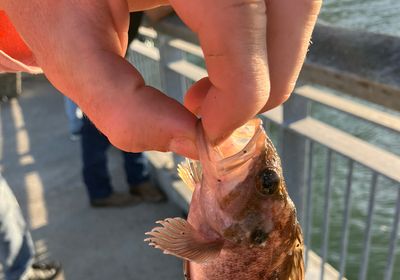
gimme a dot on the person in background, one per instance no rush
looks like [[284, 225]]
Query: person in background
[[94, 156], [74, 115], [16, 246]]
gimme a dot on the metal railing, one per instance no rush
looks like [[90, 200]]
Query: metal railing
[[334, 175]]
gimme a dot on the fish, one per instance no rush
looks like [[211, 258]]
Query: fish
[[241, 222]]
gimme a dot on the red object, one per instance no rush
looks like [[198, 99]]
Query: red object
[[15, 55]]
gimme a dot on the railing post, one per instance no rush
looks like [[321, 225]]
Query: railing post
[[172, 83], [295, 151], [10, 85]]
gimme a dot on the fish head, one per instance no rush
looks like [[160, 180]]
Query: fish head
[[243, 178]]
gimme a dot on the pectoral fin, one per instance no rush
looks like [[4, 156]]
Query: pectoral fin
[[177, 237]]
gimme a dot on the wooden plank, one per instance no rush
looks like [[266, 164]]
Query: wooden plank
[[145, 50], [275, 115], [383, 162], [188, 70], [187, 47], [148, 32], [162, 169], [160, 160], [313, 269], [347, 106], [351, 84], [174, 27]]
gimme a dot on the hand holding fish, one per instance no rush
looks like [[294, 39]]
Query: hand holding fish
[[80, 46]]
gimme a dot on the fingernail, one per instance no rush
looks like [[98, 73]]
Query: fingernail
[[183, 146]]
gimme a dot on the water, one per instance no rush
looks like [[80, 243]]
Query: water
[[385, 200], [380, 16]]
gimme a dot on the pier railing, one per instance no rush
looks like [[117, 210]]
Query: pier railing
[[340, 154]]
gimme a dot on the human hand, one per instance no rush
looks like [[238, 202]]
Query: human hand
[[254, 50], [80, 46]]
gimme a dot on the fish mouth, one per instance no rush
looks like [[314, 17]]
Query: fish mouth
[[241, 146]]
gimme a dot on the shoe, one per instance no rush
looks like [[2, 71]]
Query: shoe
[[116, 200], [42, 271], [148, 192]]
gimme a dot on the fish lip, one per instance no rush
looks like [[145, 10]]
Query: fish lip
[[225, 165]]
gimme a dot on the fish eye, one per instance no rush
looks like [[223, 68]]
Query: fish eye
[[269, 182]]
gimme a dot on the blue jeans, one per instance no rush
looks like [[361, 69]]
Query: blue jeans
[[16, 246], [74, 122], [94, 157]]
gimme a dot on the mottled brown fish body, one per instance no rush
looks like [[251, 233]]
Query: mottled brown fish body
[[281, 250], [241, 263], [242, 223]]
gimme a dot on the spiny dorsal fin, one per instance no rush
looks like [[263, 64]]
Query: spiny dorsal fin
[[190, 172], [177, 237]]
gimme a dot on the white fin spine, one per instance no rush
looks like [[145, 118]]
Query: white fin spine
[[190, 173]]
